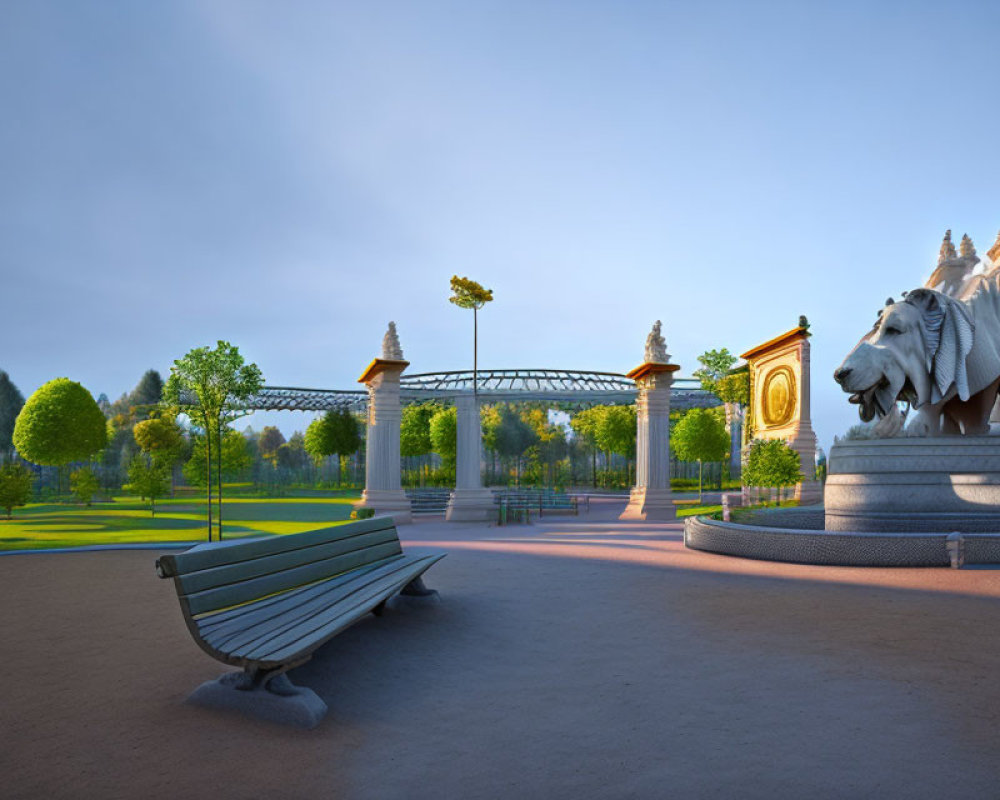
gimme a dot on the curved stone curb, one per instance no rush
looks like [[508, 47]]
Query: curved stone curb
[[836, 548]]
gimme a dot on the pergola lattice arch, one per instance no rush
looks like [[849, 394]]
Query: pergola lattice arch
[[562, 387]]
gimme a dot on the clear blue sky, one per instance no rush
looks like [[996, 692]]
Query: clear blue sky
[[291, 176]]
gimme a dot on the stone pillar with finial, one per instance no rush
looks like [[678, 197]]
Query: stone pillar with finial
[[383, 489], [651, 498], [470, 502]]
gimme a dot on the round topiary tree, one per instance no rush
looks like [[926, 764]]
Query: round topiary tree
[[700, 436], [60, 423]]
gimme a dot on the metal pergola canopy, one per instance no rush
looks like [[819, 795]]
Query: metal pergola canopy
[[563, 388]]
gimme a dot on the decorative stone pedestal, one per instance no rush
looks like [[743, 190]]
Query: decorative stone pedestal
[[651, 497], [780, 402], [650, 504], [935, 484], [383, 489], [470, 502]]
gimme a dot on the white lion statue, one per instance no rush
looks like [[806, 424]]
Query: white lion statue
[[937, 349]]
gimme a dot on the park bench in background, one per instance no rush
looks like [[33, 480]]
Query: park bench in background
[[517, 505], [265, 604]]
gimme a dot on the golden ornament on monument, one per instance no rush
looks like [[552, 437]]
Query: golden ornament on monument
[[778, 396]]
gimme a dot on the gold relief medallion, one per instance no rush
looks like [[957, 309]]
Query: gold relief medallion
[[778, 397]]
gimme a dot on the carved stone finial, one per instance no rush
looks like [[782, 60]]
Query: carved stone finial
[[967, 249], [656, 346], [803, 321], [391, 351], [947, 249], [994, 252]]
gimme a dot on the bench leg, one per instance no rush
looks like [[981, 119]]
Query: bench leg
[[267, 694], [274, 680], [416, 588], [379, 609]]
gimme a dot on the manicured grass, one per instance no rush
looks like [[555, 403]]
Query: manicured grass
[[127, 520], [694, 511]]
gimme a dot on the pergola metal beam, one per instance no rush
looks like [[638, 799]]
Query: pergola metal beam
[[563, 388]]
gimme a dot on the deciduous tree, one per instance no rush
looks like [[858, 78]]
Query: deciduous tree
[[700, 436], [218, 382], [616, 430], [268, 443], [162, 439], [444, 435], [715, 365], [335, 433], [771, 463], [415, 429], [235, 458], [513, 437], [83, 483], [15, 486], [60, 423], [584, 424], [148, 480]]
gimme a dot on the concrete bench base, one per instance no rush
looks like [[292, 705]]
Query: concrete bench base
[[296, 705]]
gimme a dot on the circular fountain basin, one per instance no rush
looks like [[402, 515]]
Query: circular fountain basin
[[906, 502]]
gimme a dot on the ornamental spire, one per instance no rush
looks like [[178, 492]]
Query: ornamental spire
[[967, 249], [947, 249], [994, 252], [391, 350]]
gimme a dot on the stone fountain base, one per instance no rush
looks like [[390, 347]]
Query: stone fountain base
[[914, 485], [888, 503]]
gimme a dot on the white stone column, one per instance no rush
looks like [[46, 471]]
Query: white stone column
[[470, 502], [651, 497], [383, 490]]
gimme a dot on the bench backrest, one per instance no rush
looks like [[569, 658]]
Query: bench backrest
[[223, 574]]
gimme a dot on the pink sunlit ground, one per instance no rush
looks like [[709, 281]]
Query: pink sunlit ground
[[576, 658]]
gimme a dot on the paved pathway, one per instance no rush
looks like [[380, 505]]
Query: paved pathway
[[577, 658]]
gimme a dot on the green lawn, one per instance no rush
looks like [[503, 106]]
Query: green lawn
[[694, 511], [127, 520]]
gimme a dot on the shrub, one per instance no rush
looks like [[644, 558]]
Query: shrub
[[83, 483], [15, 486], [363, 513]]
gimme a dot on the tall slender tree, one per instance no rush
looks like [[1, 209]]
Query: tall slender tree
[[212, 386], [469, 294]]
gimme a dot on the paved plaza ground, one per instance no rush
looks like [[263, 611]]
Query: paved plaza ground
[[580, 658]]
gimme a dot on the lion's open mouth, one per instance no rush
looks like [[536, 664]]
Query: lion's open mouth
[[870, 400]]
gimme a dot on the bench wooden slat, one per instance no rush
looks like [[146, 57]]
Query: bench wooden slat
[[259, 616], [302, 617], [234, 619], [310, 634], [214, 554], [279, 562], [239, 593]]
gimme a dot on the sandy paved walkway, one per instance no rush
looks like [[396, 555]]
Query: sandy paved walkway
[[578, 659]]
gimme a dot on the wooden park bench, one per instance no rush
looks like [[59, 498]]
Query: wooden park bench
[[266, 604]]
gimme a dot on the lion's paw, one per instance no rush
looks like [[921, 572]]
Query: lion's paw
[[922, 425]]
